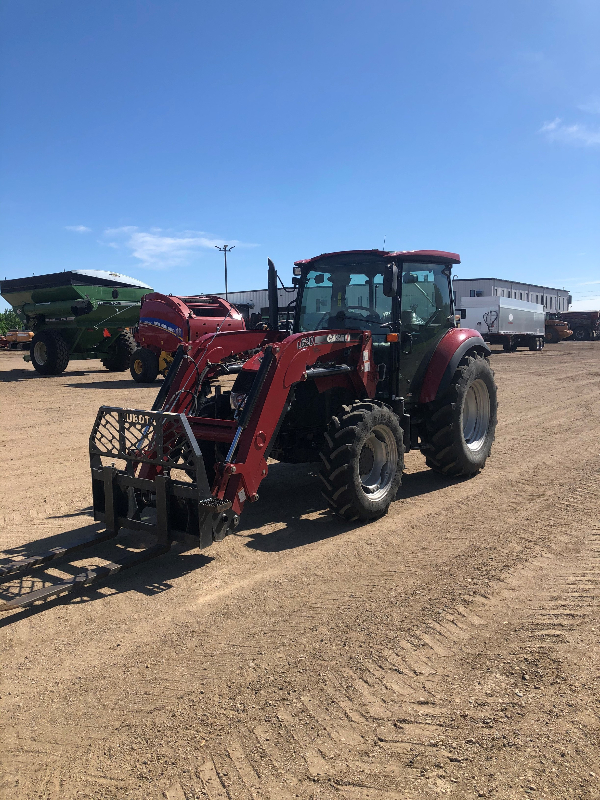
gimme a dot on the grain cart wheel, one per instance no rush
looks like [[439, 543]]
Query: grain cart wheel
[[362, 460], [120, 356], [143, 365], [49, 353], [459, 428], [580, 334]]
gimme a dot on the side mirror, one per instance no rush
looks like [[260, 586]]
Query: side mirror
[[390, 280]]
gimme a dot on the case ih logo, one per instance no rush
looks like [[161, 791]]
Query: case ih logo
[[338, 337], [309, 341]]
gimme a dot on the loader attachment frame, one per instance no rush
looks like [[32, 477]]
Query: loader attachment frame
[[155, 447]]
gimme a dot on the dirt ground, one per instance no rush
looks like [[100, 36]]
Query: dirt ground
[[449, 649]]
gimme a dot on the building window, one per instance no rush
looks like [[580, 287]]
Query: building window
[[537, 299], [472, 293], [502, 293], [495, 292], [520, 295], [551, 299], [527, 296], [478, 293]]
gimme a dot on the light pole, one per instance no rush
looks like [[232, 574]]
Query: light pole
[[225, 249]]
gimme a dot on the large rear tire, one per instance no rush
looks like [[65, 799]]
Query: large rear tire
[[143, 365], [120, 356], [49, 353], [581, 334], [459, 428], [362, 460]]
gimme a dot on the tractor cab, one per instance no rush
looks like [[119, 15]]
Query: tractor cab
[[403, 298]]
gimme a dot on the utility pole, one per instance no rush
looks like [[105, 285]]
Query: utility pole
[[225, 249]]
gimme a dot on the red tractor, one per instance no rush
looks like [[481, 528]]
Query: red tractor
[[167, 321], [375, 366]]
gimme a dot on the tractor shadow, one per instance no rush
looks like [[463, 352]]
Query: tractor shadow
[[148, 578], [293, 513], [116, 384], [15, 375]]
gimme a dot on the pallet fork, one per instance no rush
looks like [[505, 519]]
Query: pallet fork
[[150, 443]]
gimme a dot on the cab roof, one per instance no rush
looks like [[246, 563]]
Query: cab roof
[[361, 256]]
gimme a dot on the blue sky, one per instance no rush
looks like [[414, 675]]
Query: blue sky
[[135, 136]]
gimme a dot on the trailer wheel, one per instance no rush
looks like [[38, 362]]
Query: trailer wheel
[[143, 365], [536, 343], [581, 334], [362, 460], [119, 357], [49, 353], [459, 428]]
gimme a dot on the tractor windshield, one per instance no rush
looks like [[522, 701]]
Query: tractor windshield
[[343, 297]]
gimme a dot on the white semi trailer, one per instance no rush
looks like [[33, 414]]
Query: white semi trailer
[[501, 320]]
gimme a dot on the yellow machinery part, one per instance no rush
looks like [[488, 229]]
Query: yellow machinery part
[[164, 362]]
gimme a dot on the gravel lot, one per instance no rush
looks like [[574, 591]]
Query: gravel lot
[[449, 649]]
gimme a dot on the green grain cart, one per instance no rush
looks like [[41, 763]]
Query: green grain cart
[[77, 314]]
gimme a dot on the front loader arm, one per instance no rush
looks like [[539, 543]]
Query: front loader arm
[[283, 365], [201, 361]]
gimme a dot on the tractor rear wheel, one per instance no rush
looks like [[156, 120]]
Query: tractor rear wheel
[[119, 357], [49, 353], [459, 428], [362, 460], [143, 365]]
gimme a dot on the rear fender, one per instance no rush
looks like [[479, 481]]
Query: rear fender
[[451, 349]]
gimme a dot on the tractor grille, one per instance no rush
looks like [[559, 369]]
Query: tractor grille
[[151, 437]]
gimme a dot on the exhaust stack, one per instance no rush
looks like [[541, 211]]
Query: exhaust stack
[[273, 299]]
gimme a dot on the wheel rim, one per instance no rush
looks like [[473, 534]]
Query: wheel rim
[[476, 414], [580, 334], [40, 353], [138, 366], [377, 462]]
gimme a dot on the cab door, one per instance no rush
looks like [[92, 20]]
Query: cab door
[[425, 316]]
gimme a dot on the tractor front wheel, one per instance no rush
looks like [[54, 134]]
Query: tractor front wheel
[[458, 430], [49, 353], [144, 365], [362, 460]]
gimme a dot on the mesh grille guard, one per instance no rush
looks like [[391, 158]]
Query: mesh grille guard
[[160, 438], [157, 442]]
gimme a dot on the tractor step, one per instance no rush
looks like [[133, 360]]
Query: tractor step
[[90, 577], [26, 565]]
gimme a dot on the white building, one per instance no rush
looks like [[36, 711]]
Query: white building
[[259, 298], [551, 299]]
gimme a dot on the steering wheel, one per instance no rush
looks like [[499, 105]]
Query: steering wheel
[[432, 317], [325, 316], [373, 316]]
